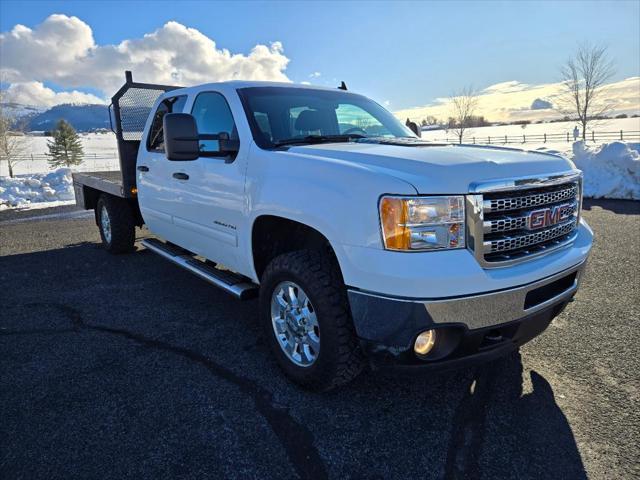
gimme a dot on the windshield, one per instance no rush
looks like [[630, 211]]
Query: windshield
[[287, 115]]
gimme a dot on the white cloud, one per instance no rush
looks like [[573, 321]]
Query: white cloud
[[512, 100], [315, 75], [62, 50], [35, 93]]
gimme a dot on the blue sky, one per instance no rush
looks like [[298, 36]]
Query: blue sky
[[406, 53]]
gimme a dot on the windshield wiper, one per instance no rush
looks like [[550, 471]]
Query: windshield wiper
[[318, 139]]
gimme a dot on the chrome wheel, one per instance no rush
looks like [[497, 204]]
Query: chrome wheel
[[105, 223], [295, 324]]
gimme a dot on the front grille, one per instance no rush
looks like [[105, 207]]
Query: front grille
[[505, 244], [505, 203], [506, 223], [509, 232]]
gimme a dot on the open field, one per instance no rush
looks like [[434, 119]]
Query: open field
[[517, 136], [129, 367], [101, 152]]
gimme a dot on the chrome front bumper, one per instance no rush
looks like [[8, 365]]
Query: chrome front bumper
[[396, 321], [504, 306]]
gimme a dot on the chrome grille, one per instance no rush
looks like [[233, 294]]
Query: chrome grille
[[526, 219], [507, 223], [567, 192], [512, 243]]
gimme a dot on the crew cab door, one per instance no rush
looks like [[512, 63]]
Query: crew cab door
[[208, 218], [155, 196]]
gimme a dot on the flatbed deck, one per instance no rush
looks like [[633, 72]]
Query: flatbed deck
[[109, 182]]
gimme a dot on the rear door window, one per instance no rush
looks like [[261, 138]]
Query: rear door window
[[155, 140]]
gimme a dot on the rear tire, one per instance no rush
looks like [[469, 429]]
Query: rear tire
[[339, 359], [116, 223]]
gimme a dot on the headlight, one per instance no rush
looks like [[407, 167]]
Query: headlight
[[422, 223]]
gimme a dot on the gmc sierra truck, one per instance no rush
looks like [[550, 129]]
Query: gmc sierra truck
[[365, 244]]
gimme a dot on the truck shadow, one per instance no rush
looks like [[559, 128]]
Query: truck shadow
[[626, 207], [486, 422]]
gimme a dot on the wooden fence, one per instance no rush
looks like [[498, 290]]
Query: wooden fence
[[620, 135]]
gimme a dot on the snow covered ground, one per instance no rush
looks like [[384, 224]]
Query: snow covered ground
[[37, 191], [516, 132], [100, 153]]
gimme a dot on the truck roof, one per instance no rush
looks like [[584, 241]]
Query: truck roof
[[237, 84]]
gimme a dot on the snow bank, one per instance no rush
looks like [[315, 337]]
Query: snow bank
[[27, 191], [611, 170]]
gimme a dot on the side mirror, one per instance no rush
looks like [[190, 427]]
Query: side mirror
[[413, 126], [180, 136], [226, 145]]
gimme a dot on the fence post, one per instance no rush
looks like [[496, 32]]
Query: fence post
[[620, 135], [593, 136], [489, 140], [474, 140], [505, 139], [567, 136], [524, 138], [545, 138]]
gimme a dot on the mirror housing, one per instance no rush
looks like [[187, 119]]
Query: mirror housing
[[182, 141], [180, 136], [413, 126], [226, 146]]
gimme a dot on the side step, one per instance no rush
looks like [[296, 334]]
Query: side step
[[237, 285]]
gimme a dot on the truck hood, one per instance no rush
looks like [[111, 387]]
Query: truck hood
[[441, 169]]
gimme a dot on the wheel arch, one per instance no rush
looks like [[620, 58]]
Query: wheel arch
[[273, 235]]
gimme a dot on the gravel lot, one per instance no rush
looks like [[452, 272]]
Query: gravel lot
[[128, 367]]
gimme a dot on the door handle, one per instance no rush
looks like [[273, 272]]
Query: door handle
[[181, 176], [143, 168]]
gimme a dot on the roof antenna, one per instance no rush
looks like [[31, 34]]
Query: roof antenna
[[343, 86]]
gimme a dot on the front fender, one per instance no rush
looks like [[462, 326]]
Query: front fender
[[337, 198]]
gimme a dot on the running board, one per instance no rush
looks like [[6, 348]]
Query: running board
[[237, 285]]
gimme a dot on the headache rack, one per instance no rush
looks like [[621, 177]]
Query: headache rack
[[128, 113], [514, 220]]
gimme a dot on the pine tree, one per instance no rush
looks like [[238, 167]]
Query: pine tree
[[66, 148]]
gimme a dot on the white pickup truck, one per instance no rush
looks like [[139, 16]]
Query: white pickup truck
[[366, 245]]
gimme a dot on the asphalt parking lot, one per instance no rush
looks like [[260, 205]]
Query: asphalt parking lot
[[128, 367]]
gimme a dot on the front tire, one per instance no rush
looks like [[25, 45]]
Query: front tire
[[307, 322], [116, 223]]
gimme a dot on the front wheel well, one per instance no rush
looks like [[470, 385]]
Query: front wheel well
[[272, 236]]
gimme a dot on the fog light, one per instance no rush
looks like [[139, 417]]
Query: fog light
[[425, 342]]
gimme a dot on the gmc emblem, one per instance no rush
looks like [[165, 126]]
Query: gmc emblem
[[545, 217]]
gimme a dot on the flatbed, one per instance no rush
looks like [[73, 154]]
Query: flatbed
[[128, 113], [109, 182]]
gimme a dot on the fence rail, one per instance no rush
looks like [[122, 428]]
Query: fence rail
[[619, 135], [45, 157], [38, 163]]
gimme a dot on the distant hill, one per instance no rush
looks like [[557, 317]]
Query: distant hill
[[84, 118], [18, 111]]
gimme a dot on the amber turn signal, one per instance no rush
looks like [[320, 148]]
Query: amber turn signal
[[393, 216]]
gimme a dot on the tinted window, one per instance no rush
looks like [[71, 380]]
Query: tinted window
[[281, 114], [213, 116], [155, 140], [353, 119]]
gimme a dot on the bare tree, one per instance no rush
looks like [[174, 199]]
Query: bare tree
[[463, 106], [13, 141], [584, 75]]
